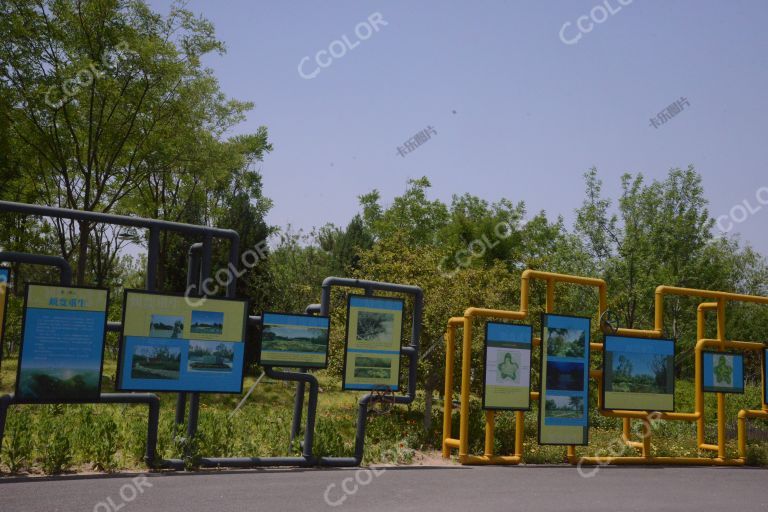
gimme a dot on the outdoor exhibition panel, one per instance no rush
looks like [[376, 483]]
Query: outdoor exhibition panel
[[5, 278], [722, 372], [372, 348], [294, 341], [62, 345], [563, 414], [182, 344], [638, 374], [507, 360]]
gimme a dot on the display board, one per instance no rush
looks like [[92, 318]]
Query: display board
[[176, 343], [372, 347], [294, 341], [62, 344], [507, 363], [5, 279], [722, 372], [564, 396], [638, 374]]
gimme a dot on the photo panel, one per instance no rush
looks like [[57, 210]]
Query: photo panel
[[181, 344], [722, 372], [62, 346], [507, 382], [564, 395], [373, 342], [638, 374], [294, 341]]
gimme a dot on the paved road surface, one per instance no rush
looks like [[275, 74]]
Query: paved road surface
[[422, 489]]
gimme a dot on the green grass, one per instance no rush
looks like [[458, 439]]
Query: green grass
[[61, 438]]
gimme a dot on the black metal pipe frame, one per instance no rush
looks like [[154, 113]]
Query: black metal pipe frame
[[411, 350], [298, 403], [306, 459], [193, 285], [150, 399], [153, 256], [65, 270]]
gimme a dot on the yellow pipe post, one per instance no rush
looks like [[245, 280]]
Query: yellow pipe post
[[450, 347], [466, 363]]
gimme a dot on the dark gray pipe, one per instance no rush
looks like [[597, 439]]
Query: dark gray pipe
[[298, 400], [411, 351], [65, 270]]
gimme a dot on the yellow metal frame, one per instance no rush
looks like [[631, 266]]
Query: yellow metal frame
[[462, 443]]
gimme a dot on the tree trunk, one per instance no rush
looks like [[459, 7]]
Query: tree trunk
[[82, 254]]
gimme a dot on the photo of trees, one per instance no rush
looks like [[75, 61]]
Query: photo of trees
[[640, 372], [566, 342], [375, 326]]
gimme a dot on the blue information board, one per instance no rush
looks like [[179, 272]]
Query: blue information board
[[62, 345], [563, 412], [182, 344]]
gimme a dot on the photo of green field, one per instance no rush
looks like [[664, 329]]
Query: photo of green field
[[564, 407], [153, 362], [290, 338], [368, 367]]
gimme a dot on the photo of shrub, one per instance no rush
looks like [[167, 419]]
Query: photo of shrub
[[571, 406], [375, 326], [373, 367], [207, 322], [166, 326], [565, 376], [155, 362], [507, 367]]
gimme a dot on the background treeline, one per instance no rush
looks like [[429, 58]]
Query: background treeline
[[105, 106]]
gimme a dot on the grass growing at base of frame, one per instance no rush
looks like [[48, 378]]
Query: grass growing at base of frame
[[68, 438]]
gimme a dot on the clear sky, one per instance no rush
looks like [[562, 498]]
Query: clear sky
[[517, 112]]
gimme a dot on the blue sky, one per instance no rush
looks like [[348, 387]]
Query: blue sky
[[532, 113]]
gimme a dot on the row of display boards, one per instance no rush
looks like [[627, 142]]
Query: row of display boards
[[176, 343], [638, 374]]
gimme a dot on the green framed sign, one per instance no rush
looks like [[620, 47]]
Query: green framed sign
[[507, 363], [372, 348], [294, 341], [563, 413]]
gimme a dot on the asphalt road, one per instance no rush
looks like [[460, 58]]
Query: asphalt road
[[422, 489]]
